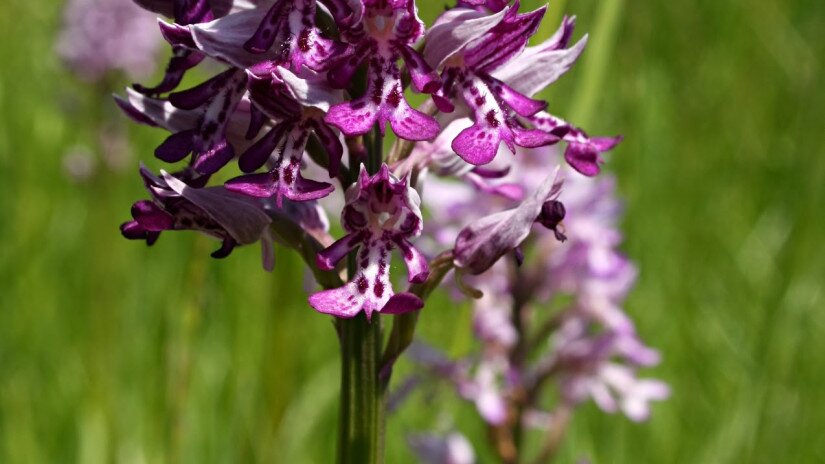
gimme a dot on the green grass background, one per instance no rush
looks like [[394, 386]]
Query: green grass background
[[114, 352]]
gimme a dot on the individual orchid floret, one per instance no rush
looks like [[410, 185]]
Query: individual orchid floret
[[216, 100], [541, 65], [486, 46], [234, 219], [282, 147], [382, 37], [484, 241], [381, 213], [184, 12]]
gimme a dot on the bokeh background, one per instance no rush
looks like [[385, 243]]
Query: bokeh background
[[114, 352]]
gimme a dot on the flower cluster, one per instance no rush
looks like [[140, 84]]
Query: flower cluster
[[308, 82], [301, 105]]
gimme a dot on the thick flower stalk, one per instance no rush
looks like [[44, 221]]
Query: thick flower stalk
[[301, 103]]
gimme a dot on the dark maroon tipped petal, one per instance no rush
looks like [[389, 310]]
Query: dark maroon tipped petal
[[257, 119], [176, 35], [328, 258], [133, 231], [202, 93], [424, 79], [443, 104], [402, 303], [210, 161], [176, 146], [341, 73], [332, 145], [151, 217], [257, 155]]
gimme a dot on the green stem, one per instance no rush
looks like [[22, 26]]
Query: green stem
[[361, 419]]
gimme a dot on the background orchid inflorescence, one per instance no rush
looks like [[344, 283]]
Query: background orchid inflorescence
[[304, 102]]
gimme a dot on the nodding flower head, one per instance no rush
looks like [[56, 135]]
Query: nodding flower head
[[381, 213]]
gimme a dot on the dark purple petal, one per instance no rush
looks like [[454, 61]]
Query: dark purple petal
[[226, 248], [332, 145], [201, 94], [583, 154], [176, 35], [150, 217], [257, 155], [424, 79], [216, 157], [401, 303], [176, 146], [328, 258]]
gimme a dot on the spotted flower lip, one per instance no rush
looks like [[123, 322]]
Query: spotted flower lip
[[480, 244], [381, 37], [381, 213], [232, 218]]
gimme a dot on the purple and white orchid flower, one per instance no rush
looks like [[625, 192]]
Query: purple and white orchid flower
[[382, 213], [381, 37]]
